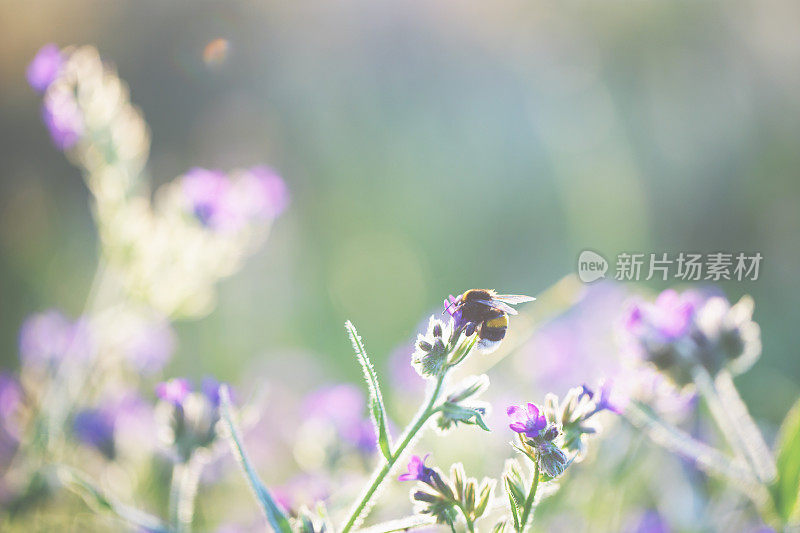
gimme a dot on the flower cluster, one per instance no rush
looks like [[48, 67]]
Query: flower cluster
[[575, 413], [444, 498], [232, 202], [187, 417], [538, 438], [163, 258], [431, 355], [679, 332]]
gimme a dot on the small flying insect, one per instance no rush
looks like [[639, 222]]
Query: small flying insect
[[485, 312]]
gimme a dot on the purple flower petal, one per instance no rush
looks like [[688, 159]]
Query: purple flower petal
[[173, 391], [45, 67]]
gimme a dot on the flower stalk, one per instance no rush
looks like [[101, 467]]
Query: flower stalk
[[531, 497], [379, 475]]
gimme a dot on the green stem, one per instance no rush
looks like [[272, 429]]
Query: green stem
[[531, 497], [380, 474], [183, 491], [752, 438], [174, 494], [679, 442]]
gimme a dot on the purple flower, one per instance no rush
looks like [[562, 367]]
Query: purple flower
[[417, 471], [95, 427], [63, 118], [527, 420], [265, 195], [669, 318], [604, 402], [343, 406], [649, 521], [454, 310], [10, 397], [210, 388], [229, 203], [46, 338], [151, 346], [206, 193], [10, 430], [135, 425], [45, 67], [174, 391]]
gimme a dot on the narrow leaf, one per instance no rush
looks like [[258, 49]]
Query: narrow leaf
[[275, 516], [786, 489], [512, 503], [376, 407], [96, 498]]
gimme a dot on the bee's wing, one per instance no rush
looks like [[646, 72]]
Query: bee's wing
[[495, 304], [514, 299]]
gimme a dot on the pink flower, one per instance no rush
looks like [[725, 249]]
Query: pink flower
[[417, 471], [527, 420]]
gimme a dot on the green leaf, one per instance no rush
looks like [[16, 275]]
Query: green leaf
[[96, 498], [275, 516], [471, 415], [786, 488], [487, 487], [499, 527], [512, 502], [376, 407]]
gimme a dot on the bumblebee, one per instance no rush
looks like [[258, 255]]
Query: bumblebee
[[485, 312]]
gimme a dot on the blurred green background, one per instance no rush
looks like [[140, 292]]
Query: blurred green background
[[430, 146]]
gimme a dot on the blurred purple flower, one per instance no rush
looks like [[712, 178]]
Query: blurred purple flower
[[417, 471], [402, 376], [45, 67], [10, 396], [303, 489], [579, 344], [206, 191], [527, 420], [604, 402], [668, 318], [95, 427], [265, 195], [210, 388], [45, 338], [649, 521], [151, 346], [134, 423], [222, 203], [63, 118], [343, 406], [10, 403], [174, 391]]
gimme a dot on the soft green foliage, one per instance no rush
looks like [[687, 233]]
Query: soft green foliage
[[786, 489], [376, 407], [276, 518]]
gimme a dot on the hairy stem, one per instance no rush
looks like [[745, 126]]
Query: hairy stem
[[379, 475], [531, 497], [727, 424], [752, 439], [679, 442], [183, 492]]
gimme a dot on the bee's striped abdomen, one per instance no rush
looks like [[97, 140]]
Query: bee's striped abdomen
[[494, 329]]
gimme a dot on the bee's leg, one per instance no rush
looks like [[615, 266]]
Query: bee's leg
[[470, 329]]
